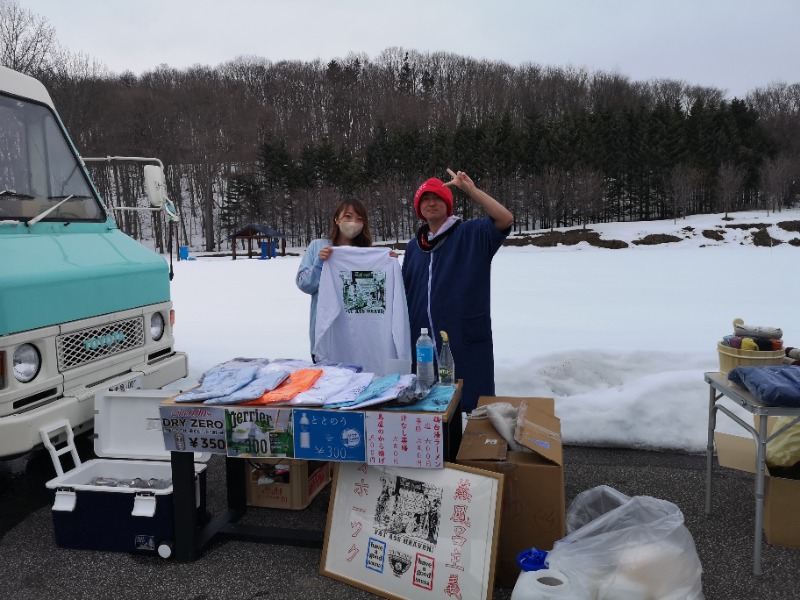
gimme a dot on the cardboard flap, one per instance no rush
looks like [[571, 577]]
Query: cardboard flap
[[545, 405], [540, 432], [482, 442], [736, 452]]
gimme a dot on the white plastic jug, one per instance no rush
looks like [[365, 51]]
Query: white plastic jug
[[546, 584]]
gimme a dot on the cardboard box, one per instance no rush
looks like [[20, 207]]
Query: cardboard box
[[781, 496], [294, 489], [533, 512]]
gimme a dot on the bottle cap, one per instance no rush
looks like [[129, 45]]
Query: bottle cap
[[424, 330], [532, 560]]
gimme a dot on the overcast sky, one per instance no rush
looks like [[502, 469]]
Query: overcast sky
[[733, 45]]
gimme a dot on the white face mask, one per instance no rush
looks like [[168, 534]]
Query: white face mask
[[350, 229]]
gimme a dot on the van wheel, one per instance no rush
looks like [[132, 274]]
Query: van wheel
[[165, 549]]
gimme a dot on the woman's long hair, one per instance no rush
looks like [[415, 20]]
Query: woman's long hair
[[363, 239]]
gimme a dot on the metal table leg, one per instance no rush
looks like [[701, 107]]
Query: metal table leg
[[712, 424], [761, 456], [183, 503], [452, 435], [236, 485]]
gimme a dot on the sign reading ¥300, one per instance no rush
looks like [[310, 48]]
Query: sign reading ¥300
[[336, 435]]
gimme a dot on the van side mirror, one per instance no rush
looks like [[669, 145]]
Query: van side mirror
[[155, 186]]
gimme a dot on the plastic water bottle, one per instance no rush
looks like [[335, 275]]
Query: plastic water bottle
[[447, 366], [425, 375], [305, 432]]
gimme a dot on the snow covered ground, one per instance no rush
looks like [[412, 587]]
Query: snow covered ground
[[621, 338]]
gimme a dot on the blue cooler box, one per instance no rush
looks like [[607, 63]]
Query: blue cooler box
[[90, 515]]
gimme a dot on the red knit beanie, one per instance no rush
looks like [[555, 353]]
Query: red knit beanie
[[437, 187]]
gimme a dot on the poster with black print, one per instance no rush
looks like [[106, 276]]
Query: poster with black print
[[409, 533]]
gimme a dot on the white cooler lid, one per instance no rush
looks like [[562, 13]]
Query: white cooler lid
[[128, 425]]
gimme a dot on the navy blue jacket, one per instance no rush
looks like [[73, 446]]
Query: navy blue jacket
[[773, 385], [457, 274]]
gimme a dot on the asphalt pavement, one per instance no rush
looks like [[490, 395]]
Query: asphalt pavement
[[34, 567]]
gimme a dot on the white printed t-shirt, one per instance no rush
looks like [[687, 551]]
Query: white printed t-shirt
[[362, 317]]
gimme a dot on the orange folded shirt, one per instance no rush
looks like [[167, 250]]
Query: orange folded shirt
[[297, 382]]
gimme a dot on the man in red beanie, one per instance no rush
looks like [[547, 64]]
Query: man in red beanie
[[447, 272]]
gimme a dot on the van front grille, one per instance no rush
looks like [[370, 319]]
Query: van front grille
[[96, 343]]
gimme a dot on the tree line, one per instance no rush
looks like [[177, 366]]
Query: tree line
[[281, 143]]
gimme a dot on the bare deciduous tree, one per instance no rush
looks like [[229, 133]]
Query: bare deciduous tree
[[683, 182], [26, 39], [587, 186], [729, 183], [551, 191], [777, 176]]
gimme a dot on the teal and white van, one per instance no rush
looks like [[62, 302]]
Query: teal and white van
[[83, 307]]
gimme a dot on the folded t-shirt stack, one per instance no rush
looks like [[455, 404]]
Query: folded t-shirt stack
[[754, 337], [752, 343], [260, 381]]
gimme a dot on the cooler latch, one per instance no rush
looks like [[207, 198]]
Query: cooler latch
[[144, 504], [65, 501]]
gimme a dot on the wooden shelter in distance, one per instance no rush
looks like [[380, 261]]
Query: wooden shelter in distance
[[259, 233]]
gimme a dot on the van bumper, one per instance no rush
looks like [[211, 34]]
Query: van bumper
[[19, 433]]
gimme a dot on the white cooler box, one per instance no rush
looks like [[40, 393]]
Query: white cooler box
[[127, 519]]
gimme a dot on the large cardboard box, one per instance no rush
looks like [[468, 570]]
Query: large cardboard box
[[533, 511], [294, 487], [781, 496]]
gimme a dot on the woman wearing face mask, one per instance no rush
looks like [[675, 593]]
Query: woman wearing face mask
[[349, 227]]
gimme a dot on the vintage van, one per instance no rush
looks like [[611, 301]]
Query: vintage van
[[83, 307]]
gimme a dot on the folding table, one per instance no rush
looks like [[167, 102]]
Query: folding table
[[720, 387]]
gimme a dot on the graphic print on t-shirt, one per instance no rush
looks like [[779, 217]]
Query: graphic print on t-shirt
[[363, 291]]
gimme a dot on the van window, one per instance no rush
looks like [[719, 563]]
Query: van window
[[38, 168]]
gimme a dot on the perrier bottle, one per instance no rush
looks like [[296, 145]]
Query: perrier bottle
[[447, 366]]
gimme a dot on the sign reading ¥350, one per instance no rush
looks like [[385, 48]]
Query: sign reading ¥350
[[193, 428]]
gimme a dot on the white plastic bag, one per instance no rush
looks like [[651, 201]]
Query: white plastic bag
[[592, 504], [623, 547]]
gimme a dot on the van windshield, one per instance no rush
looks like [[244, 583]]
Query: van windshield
[[38, 169]]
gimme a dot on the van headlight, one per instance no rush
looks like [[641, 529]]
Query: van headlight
[[27, 362], [156, 326]]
